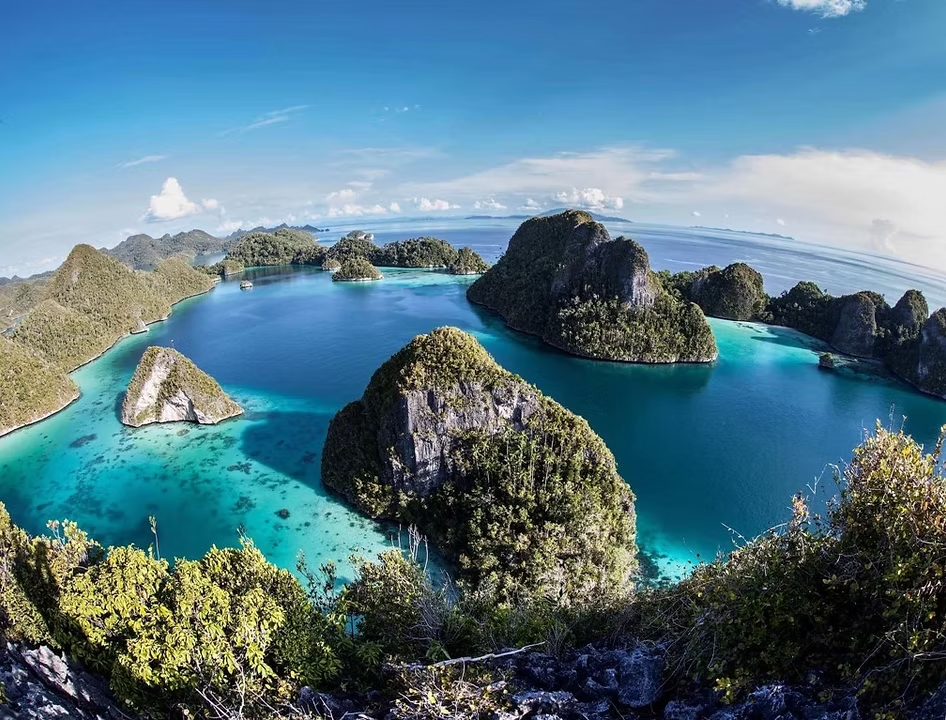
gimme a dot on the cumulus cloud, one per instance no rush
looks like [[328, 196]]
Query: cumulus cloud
[[780, 221], [427, 205], [488, 204], [589, 199], [395, 207], [838, 196], [172, 204], [531, 205], [142, 161], [696, 213], [354, 210], [826, 8]]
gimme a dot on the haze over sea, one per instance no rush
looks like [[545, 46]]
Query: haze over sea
[[709, 450]]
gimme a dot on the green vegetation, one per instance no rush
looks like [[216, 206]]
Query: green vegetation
[[356, 244], [423, 252], [564, 279], [331, 264], [283, 246], [89, 303], [65, 337], [733, 293], [224, 268], [534, 508], [18, 297], [30, 387], [468, 262], [143, 252], [165, 376], [859, 596], [356, 269]]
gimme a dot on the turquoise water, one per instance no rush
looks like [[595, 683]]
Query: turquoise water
[[705, 448]]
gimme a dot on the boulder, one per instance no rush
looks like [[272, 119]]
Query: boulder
[[167, 387]]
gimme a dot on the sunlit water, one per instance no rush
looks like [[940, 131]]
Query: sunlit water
[[709, 450]]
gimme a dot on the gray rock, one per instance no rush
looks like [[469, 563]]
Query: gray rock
[[681, 710], [540, 701], [640, 676]]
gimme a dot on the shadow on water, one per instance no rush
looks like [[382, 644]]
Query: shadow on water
[[288, 442]]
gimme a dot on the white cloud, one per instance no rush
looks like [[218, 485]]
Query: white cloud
[[826, 8], [531, 205], [696, 213], [590, 199], [488, 204], [142, 161], [855, 198], [395, 207], [271, 118], [172, 204], [780, 221], [351, 209], [341, 196], [427, 205]]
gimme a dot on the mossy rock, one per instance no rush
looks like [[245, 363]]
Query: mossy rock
[[356, 269], [519, 493], [167, 387]]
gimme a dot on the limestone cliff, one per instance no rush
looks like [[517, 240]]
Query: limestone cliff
[[167, 387], [931, 367], [442, 433], [564, 279], [857, 326]]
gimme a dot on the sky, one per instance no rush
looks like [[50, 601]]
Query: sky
[[824, 120]]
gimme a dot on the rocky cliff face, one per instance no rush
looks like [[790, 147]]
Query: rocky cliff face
[[442, 429], [564, 279], [857, 326], [167, 387], [40, 684], [931, 368]]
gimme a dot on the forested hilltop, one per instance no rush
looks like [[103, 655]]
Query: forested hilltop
[[286, 246], [90, 302], [143, 252], [906, 338], [564, 279]]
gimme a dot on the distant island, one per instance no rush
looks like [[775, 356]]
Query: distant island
[[564, 279], [288, 246], [742, 232], [88, 304]]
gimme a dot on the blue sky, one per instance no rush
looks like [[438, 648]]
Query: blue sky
[[822, 119]]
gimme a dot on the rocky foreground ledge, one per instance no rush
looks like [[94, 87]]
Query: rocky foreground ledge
[[167, 387], [586, 684]]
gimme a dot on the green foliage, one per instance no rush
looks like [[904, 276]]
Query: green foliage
[[468, 262], [208, 398], [538, 511], [224, 268], [331, 264], [564, 279], [733, 293], [423, 252], [356, 268], [30, 387], [860, 595], [16, 299], [670, 332], [63, 336], [280, 247], [355, 244]]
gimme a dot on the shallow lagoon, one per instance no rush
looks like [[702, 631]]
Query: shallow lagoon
[[705, 448]]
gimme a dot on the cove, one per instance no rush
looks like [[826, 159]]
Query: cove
[[705, 448]]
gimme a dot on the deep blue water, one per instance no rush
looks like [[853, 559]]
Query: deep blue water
[[705, 448]]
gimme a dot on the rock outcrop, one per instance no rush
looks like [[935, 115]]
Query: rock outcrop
[[356, 269], [441, 427], [931, 367], [468, 262], [857, 326], [40, 684], [564, 279], [167, 387]]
